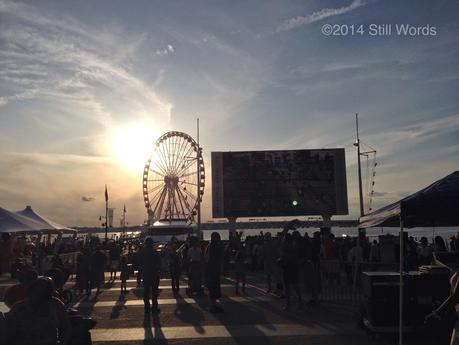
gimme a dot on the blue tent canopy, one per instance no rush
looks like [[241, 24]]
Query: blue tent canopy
[[435, 205]]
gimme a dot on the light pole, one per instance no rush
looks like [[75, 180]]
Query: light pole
[[359, 168]]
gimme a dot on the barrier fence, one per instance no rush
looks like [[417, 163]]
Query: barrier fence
[[340, 282]]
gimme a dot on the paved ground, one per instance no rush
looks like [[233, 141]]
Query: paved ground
[[254, 318]]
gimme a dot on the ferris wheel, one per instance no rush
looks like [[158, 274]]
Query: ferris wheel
[[173, 178]]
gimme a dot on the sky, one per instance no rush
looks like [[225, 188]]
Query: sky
[[86, 88]]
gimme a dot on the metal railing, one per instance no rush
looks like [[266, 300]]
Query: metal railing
[[340, 281]]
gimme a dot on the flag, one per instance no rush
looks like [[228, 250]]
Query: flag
[[106, 194]]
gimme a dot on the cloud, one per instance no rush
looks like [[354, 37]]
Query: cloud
[[166, 51], [59, 59], [87, 198], [293, 23]]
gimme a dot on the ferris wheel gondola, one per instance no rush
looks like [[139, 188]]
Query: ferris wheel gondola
[[173, 178]]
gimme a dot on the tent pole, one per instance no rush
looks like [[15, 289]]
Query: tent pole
[[400, 326]]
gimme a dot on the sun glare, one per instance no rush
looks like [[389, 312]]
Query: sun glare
[[132, 144]]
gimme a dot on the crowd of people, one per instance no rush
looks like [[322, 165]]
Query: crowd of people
[[290, 262]]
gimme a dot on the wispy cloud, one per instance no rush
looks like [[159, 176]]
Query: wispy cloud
[[324, 13], [61, 58]]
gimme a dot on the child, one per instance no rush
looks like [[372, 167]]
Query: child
[[124, 274]]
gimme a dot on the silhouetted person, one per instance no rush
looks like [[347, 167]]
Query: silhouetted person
[[98, 262], [270, 255], [6, 253], [124, 274], [150, 266], [175, 269], [239, 266], [39, 319], [214, 260], [439, 244], [454, 244], [290, 268], [425, 252], [19, 292], [194, 255], [451, 304], [114, 254]]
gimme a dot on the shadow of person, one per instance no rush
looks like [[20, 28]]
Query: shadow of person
[[86, 306], [138, 292], [189, 314], [249, 316], [120, 304], [153, 335]]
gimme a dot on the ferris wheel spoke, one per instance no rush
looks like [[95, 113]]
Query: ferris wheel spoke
[[187, 204], [183, 160], [159, 206], [187, 192], [163, 157], [185, 174], [154, 189], [160, 161], [169, 154], [157, 194], [175, 197], [186, 167], [180, 201], [177, 145], [178, 155], [156, 172], [182, 152], [190, 183]]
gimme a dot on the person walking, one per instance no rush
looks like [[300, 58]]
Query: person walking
[[175, 269], [214, 260], [270, 256], [150, 266], [195, 266], [98, 263], [124, 274], [115, 254], [290, 268], [82, 273], [239, 269]]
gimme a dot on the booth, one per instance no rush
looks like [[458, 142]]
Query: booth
[[434, 206]]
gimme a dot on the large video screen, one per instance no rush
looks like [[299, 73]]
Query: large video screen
[[279, 183]]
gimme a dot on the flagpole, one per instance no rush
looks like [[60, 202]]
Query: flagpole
[[124, 219], [106, 214]]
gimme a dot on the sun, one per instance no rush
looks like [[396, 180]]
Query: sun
[[131, 144]]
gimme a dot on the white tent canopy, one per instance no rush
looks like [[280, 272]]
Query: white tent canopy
[[46, 223], [13, 222], [28, 221]]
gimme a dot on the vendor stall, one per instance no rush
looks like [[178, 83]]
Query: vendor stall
[[434, 206]]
